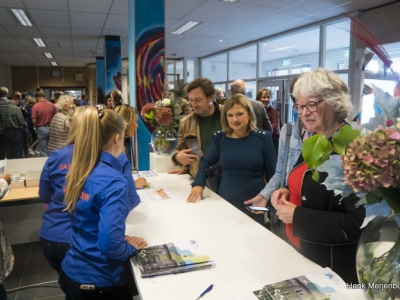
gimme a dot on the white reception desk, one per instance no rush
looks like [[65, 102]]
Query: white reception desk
[[246, 255]]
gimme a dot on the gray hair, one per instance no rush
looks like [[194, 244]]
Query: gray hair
[[3, 91], [63, 101], [326, 84]]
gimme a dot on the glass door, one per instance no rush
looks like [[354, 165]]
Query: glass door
[[280, 98]]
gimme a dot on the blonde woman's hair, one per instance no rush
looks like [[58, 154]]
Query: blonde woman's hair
[[63, 101], [129, 114], [327, 85], [237, 99], [74, 119], [95, 132]]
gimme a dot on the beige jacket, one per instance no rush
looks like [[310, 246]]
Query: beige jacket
[[189, 126]]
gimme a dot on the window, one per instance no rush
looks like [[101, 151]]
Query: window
[[290, 54], [337, 45], [243, 63], [215, 67]]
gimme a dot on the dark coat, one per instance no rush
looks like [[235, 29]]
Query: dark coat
[[328, 227]]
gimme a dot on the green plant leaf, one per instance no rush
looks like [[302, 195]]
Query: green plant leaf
[[391, 195], [373, 197], [315, 176], [150, 115], [316, 150], [343, 138]]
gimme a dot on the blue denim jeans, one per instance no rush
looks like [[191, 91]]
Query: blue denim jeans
[[54, 252], [43, 139]]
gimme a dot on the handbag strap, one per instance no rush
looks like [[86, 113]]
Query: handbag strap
[[286, 152]]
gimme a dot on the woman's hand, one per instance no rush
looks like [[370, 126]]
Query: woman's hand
[[278, 196], [195, 193], [6, 177], [285, 211], [136, 242], [257, 201], [178, 171], [140, 182]]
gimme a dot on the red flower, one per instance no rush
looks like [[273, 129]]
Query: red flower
[[164, 116]]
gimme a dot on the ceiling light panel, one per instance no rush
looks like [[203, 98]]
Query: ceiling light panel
[[48, 55], [54, 63], [39, 42], [21, 16], [189, 25]]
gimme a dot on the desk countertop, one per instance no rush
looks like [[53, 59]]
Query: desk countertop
[[246, 255], [21, 196]]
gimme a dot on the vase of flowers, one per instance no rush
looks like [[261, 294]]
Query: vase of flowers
[[368, 165], [162, 115]]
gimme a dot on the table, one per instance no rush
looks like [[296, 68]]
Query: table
[[246, 255], [21, 196]]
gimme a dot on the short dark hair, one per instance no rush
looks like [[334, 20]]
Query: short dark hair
[[39, 94], [204, 83]]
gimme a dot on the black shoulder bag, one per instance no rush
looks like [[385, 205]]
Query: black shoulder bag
[[214, 174]]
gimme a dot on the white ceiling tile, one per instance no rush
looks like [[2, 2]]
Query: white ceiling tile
[[54, 43], [117, 22], [85, 43], [12, 3], [178, 8], [87, 20], [119, 7], [211, 11], [246, 14], [5, 17], [86, 32], [9, 41], [3, 32], [47, 4], [22, 31], [51, 18], [278, 4], [55, 32], [92, 6], [213, 29]]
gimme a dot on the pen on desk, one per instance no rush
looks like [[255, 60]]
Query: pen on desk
[[206, 291]]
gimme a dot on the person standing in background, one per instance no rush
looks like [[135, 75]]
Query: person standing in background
[[58, 133], [263, 122], [264, 95], [42, 114]]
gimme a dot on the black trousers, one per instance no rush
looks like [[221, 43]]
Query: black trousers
[[73, 291]]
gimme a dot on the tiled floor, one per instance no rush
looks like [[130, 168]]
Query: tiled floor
[[30, 268]]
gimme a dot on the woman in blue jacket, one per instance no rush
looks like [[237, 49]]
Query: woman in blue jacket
[[95, 196], [55, 233]]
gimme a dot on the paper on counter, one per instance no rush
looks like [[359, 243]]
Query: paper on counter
[[146, 174], [147, 195]]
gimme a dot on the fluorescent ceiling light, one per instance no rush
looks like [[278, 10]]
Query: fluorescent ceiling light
[[231, 1], [189, 25], [48, 55], [39, 42], [54, 63], [21, 16], [283, 48]]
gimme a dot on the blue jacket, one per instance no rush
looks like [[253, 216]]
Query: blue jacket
[[56, 225], [98, 249], [294, 152]]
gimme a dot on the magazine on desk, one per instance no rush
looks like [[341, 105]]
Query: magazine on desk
[[316, 286], [172, 258]]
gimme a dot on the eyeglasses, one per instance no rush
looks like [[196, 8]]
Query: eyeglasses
[[312, 106]]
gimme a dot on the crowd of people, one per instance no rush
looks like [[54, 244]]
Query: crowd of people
[[34, 126], [89, 198]]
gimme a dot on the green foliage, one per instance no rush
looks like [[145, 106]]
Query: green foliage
[[342, 138]]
